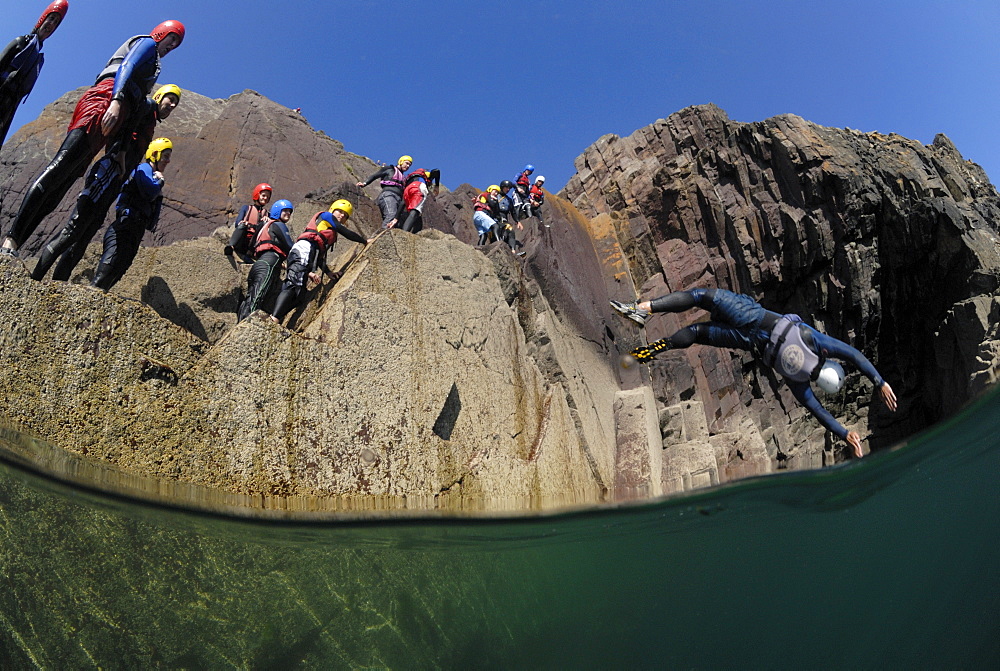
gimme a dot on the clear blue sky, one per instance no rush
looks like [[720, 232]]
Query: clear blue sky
[[478, 89]]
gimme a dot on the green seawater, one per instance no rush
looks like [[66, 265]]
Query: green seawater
[[889, 562]]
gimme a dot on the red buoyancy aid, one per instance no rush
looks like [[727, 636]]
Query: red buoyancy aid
[[324, 239], [412, 194], [537, 193], [523, 181], [482, 204], [266, 243]]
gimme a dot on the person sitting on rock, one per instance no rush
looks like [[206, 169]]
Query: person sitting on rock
[[249, 221], [309, 254], [21, 63], [106, 114], [485, 215], [536, 196], [794, 349], [414, 196], [392, 183], [138, 211], [272, 247], [523, 183], [102, 186]]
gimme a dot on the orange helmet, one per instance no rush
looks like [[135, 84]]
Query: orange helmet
[[263, 186]]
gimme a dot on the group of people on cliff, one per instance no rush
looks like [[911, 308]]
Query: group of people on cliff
[[502, 207], [118, 114]]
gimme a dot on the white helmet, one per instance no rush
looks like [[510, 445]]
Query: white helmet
[[831, 377], [539, 179]]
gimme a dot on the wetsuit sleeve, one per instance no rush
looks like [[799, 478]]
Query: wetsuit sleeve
[[143, 52], [349, 234], [805, 395], [281, 233], [154, 218], [837, 349], [147, 185], [12, 49], [384, 172]]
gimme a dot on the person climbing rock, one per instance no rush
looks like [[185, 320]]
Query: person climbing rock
[[795, 350], [102, 186], [272, 247], [309, 254], [510, 215], [105, 115], [392, 182], [485, 215], [21, 62], [536, 196], [249, 221], [523, 183], [414, 197], [138, 211]]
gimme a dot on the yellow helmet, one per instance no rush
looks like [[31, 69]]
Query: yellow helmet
[[404, 158], [157, 147], [164, 90], [493, 187], [342, 205]]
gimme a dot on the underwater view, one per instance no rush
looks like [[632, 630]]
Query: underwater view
[[888, 562]]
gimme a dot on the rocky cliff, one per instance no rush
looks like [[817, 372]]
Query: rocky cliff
[[436, 375]]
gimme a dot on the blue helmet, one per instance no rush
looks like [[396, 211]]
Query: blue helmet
[[529, 168], [279, 206]]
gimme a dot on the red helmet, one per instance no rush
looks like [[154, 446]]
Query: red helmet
[[263, 186], [59, 7], [161, 31]]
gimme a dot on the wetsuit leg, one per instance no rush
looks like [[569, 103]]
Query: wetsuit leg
[[413, 222], [48, 189], [287, 299], [259, 283]]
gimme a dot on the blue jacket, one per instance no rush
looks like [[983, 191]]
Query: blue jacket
[[141, 197]]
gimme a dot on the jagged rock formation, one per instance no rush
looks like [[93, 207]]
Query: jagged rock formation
[[438, 375], [885, 243]]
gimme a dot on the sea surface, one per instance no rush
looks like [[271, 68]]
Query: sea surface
[[889, 562]]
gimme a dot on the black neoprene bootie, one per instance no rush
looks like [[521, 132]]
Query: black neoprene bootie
[[102, 278]]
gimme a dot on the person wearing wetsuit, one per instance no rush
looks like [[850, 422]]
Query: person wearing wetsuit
[[510, 210], [21, 62], [795, 350], [536, 196], [486, 213], [273, 244], [392, 183], [522, 182], [249, 221], [106, 115], [309, 254], [138, 211], [414, 197], [102, 186]]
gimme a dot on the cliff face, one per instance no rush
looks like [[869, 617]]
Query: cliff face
[[887, 244], [435, 374]]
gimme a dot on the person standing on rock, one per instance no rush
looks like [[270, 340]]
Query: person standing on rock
[[536, 196], [392, 182], [795, 350], [272, 247], [249, 221], [510, 211], [523, 183], [138, 211], [21, 63], [309, 252], [106, 114], [486, 213], [102, 186]]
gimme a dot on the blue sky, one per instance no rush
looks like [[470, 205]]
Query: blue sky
[[478, 89]]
